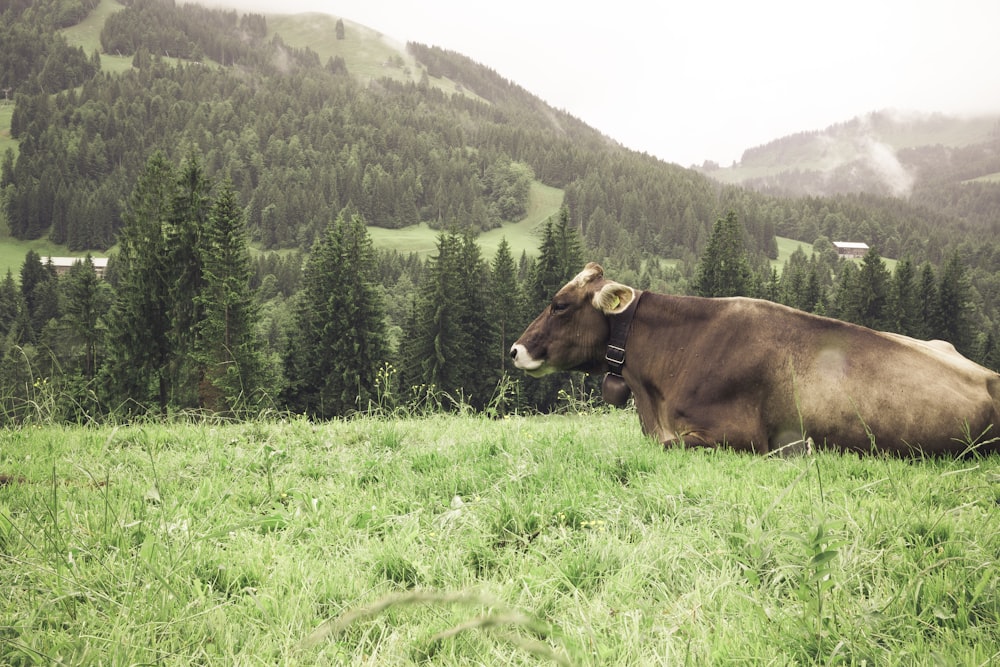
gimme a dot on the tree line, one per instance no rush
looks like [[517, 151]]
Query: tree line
[[189, 320], [305, 144]]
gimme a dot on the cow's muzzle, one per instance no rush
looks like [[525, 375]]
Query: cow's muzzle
[[523, 360]]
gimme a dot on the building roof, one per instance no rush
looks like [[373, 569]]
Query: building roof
[[850, 245], [99, 262]]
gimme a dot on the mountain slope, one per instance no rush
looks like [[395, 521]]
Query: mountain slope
[[884, 153], [306, 124]]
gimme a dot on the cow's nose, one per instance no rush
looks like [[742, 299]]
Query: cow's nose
[[513, 351]]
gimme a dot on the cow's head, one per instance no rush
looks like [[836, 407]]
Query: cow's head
[[572, 332]]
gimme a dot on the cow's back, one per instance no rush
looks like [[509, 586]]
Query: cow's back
[[765, 371]]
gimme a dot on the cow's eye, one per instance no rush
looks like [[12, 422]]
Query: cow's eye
[[559, 306]]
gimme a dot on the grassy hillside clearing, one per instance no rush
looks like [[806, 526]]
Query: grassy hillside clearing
[[787, 246], [12, 252], [522, 236], [473, 541], [368, 54], [88, 35], [6, 113]]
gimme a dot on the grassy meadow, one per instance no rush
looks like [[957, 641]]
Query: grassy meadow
[[455, 540], [6, 113], [525, 235]]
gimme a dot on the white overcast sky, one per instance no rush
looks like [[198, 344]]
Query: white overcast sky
[[692, 80]]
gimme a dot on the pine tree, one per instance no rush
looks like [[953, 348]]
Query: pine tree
[[11, 308], [504, 306], [183, 274], [339, 344], [560, 257], [930, 313], [904, 299], [227, 347], [138, 346], [794, 280], [814, 291], [872, 292], [846, 304], [38, 288], [724, 269], [74, 342], [449, 349], [435, 344], [954, 304], [86, 298], [479, 376]]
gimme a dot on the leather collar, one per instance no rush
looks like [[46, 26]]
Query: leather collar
[[621, 324]]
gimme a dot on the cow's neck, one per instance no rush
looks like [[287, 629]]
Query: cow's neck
[[613, 388]]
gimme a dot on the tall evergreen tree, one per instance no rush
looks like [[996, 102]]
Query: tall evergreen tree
[[846, 304], [479, 376], [930, 312], [904, 299], [872, 292], [338, 345], [954, 303], [138, 346], [560, 257], [227, 347], [38, 282], [504, 305], [435, 348], [724, 269], [86, 298], [794, 281], [183, 274], [11, 305]]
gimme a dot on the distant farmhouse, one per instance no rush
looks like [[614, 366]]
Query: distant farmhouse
[[849, 250], [64, 264]]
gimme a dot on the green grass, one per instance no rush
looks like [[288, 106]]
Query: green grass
[[88, 35], [12, 252], [524, 235], [6, 113], [368, 54], [787, 246], [460, 540]]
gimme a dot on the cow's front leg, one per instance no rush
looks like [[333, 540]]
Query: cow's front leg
[[690, 440], [713, 438]]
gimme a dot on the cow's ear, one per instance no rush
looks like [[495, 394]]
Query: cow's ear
[[613, 298]]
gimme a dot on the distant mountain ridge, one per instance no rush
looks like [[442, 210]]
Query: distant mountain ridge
[[887, 153]]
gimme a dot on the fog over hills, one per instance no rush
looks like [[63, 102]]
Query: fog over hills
[[882, 152], [687, 82]]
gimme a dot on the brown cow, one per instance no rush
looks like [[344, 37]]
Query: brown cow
[[759, 376]]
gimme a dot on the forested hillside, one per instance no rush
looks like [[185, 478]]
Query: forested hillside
[[947, 164], [224, 134]]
